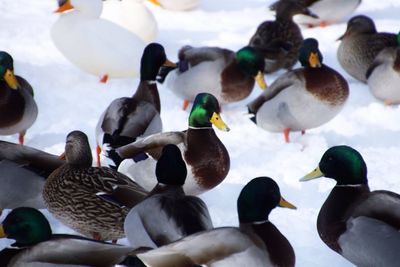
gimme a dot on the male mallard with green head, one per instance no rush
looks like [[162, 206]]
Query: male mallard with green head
[[301, 99], [229, 76], [127, 118], [206, 158], [85, 198], [360, 225], [18, 109], [36, 245], [383, 76], [284, 29], [360, 44], [255, 243]]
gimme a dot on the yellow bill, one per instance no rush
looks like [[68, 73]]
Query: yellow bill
[[2, 233], [313, 60], [285, 204], [169, 63], [11, 80], [64, 7], [312, 175], [260, 80], [155, 2], [218, 122]]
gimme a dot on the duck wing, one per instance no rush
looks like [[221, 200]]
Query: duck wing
[[284, 81], [151, 143], [191, 56], [33, 159], [201, 248], [126, 119], [74, 250], [113, 187]]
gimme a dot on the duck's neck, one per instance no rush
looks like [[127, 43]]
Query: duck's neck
[[396, 64], [164, 188], [147, 91], [280, 251], [331, 222]]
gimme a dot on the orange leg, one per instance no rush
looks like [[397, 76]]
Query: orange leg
[[323, 24], [21, 138], [98, 151], [303, 132], [185, 104], [387, 103], [104, 79], [96, 236], [286, 132]]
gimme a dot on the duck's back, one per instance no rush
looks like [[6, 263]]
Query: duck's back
[[285, 30], [98, 46], [133, 16]]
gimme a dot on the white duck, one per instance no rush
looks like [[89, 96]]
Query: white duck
[[95, 45], [178, 5], [133, 15]]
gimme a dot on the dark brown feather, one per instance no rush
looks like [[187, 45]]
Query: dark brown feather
[[326, 84], [207, 156]]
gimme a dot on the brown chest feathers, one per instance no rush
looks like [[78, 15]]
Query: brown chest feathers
[[326, 84]]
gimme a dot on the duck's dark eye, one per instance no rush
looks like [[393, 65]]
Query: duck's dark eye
[[330, 159]]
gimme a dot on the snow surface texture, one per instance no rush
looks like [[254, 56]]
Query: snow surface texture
[[69, 99]]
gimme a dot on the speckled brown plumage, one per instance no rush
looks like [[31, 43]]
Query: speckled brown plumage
[[70, 195], [207, 156], [284, 29], [321, 82], [74, 193]]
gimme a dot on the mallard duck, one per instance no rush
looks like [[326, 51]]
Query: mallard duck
[[133, 15], [23, 171], [282, 28], [383, 76], [229, 76], [85, 198], [167, 214], [178, 5], [207, 159], [84, 39], [360, 225], [18, 109], [36, 245], [255, 243], [328, 11], [303, 98], [360, 44], [127, 118]]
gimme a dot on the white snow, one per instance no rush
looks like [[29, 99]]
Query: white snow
[[70, 99]]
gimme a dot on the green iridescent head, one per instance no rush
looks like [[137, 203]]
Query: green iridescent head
[[398, 39], [152, 59], [27, 226], [252, 63], [343, 164], [258, 198], [7, 70], [205, 111], [309, 54]]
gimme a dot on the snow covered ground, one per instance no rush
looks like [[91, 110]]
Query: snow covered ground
[[69, 99]]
